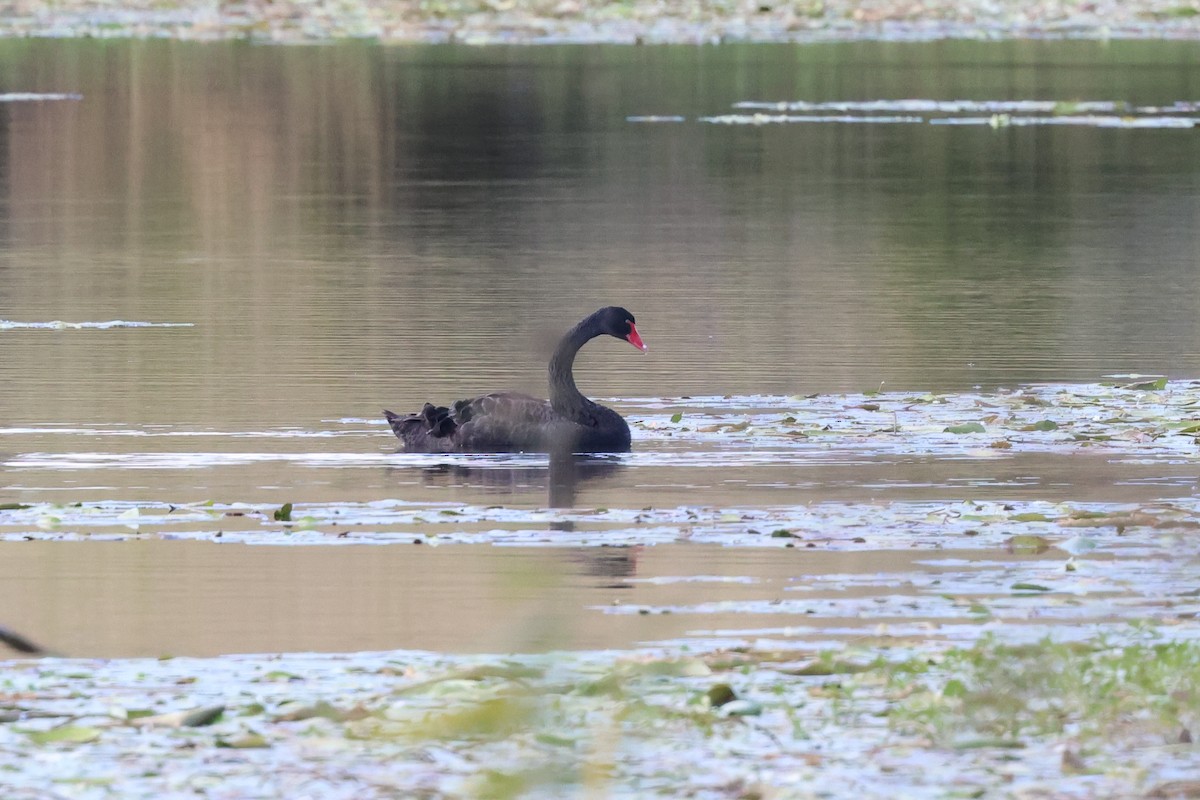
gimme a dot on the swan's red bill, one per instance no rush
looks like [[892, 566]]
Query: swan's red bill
[[635, 339]]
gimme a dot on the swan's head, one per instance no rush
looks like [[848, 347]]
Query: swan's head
[[616, 321]]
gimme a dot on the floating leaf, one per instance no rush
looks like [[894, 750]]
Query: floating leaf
[[1078, 544], [827, 667], [1027, 544], [508, 672], [741, 708], [677, 416], [71, 734], [968, 427], [1121, 521], [1042, 425], [247, 741], [297, 712], [496, 718], [553, 740], [1153, 386], [683, 667], [719, 694], [976, 744], [611, 684], [1029, 587], [284, 513], [194, 718]]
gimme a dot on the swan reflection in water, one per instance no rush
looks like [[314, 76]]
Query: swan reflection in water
[[561, 480]]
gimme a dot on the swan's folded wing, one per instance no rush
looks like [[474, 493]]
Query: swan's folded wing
[[502, 421]]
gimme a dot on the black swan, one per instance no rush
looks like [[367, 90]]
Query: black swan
[[508, 422]]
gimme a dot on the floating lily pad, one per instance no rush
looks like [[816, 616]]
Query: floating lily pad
[[66, 734], [1027, 544]]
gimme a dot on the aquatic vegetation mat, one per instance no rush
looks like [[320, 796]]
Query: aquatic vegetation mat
[[478, 22], [36, 97], [60, 325], [1146, 418], [1182, 114], [1103, 719]]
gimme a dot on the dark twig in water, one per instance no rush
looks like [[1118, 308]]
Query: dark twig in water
[[20, 643]]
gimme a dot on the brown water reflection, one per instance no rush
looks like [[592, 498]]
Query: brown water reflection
[[150, 598], [354, 226]]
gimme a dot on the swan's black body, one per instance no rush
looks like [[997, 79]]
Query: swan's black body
[[508, 422]]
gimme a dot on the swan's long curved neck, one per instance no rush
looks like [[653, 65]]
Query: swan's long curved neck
[[565, 397]]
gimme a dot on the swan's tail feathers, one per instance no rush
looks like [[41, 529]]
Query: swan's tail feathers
[[420, 432], [399, 425]]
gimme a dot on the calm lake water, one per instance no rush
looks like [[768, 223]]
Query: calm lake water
[[346, 228]]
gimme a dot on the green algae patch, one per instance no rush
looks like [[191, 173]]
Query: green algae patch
[[909, 717], [1105, 696]]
